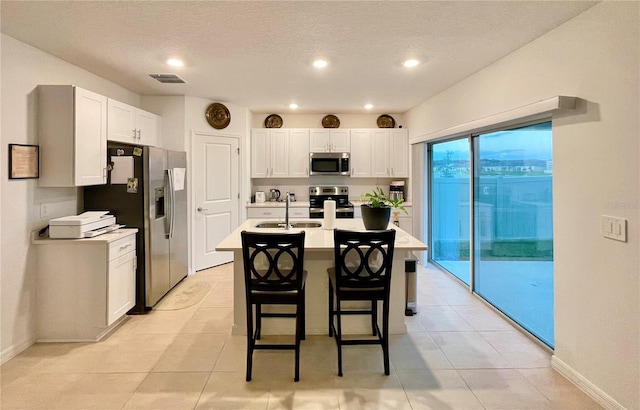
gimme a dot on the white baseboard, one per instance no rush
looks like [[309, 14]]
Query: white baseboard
[[585, 385], [14, 350]]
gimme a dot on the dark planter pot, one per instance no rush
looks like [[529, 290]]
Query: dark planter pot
[[375, 218]]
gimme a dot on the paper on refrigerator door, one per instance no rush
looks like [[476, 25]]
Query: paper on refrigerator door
[[122, 170], [178, 178]]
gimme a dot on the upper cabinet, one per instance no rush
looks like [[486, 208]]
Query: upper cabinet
[[361, 153], [379, 153], [279, 152], [72, 133], [390, 153], [329, 140], [298, 153], [132, 125]]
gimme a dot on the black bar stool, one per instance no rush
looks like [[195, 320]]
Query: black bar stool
[[361, 272], [274, 275]]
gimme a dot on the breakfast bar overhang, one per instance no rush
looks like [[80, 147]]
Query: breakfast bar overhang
[[318, 257]]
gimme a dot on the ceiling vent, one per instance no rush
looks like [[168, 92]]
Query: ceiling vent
[[168, 78]]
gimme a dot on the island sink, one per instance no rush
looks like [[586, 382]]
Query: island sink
[[302, 224]]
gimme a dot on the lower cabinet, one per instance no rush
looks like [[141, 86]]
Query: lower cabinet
[[276, 212], [85, 286]]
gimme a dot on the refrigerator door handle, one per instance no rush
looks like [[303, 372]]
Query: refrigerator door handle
[[172, 196]]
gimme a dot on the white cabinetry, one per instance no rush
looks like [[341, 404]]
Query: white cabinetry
[[329, 140], [379, 153], [390, 153], [405, 221], [277, 153], [361, 153], [298, 153], [85, 286], [72, 133], [132, 125], [276, 212]]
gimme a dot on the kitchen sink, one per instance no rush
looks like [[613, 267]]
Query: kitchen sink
[[305, 224]]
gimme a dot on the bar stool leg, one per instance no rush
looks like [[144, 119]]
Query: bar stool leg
[[339, 337], [331, 311], [374, 316], [385, 336], [250, 341]]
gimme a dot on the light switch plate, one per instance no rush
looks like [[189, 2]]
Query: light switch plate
[[614, 228]]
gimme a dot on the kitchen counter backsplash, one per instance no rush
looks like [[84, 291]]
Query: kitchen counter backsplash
[[278, 204]]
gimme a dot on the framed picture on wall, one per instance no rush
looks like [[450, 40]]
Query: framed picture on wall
[[24, 161]]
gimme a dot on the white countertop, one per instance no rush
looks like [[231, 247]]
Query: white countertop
[[300, 204], [107, 237], [318, 238]]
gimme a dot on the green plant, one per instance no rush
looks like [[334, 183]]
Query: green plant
[[378, 199]]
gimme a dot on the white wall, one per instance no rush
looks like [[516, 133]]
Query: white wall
[[23, 68], [595, 57]]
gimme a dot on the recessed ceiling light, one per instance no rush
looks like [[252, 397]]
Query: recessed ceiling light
[[320, 64], [411, 63], [175, 62], [293, 106], [368, 106]]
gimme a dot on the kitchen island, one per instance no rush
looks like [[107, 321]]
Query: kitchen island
[[318, 257]]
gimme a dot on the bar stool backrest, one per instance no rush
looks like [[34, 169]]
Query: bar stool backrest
[[363, 260], [273, 261]]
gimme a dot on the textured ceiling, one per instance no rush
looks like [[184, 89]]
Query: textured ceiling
[[259, 54]]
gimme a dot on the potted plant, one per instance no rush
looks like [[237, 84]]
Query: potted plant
[[376, 209]]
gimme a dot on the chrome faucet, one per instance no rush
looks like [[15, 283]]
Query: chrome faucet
[[287, 202]]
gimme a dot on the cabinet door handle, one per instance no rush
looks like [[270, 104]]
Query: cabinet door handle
[[125, 247], [139, 135], [391, 171], [134, 133]]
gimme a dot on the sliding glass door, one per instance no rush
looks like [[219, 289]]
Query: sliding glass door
[[513, 263], [511, 258], [450, 206]]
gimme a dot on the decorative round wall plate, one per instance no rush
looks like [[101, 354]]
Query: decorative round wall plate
[[386, 121], [273, 121], [330, 121], [218, 116]]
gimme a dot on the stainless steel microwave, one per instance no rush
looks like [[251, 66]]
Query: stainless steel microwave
[[329, 163]]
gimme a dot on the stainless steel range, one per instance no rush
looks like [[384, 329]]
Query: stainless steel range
[[340, 194]]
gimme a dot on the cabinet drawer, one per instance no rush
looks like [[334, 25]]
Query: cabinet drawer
[[265, 212], [299, 212], [122, 247]]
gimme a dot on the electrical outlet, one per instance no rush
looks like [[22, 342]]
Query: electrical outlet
[[44, 211], [614, 228]]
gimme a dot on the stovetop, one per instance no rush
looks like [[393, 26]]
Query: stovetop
[[319, 194]]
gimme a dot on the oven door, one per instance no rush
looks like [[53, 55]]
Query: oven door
[[315, 213], [341, 213]]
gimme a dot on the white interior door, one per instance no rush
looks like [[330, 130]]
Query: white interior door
[[216, 171]]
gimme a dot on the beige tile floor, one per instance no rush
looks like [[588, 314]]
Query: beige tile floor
[[458, 354]]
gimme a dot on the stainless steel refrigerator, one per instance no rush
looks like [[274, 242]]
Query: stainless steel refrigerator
[[146, 189]]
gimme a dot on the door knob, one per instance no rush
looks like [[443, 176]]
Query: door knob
[[202, 209]]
